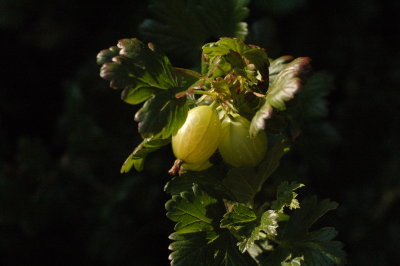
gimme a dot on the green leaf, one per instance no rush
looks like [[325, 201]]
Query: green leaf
[[287, 83], [242, 183], [188, 77], [207, 249], [286, 197], [283, 88], [316, 247], [302, 219], [138, 69], [137, 95], [162, 115], [181, 27], [319, 247], [208, 180], [312, 103], [240, 215], [198, 240], [254, 231], [271, 162], [230, 49], [267, 224], [137, 157], [277, 65], [192, 249], [225, 46], [289, 261], [191, 211], [244, 222], [106, 55]]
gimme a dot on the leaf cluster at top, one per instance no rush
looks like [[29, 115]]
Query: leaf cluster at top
[[239, 76]]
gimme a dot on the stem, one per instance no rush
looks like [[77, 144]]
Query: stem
[[213, 104], [175, 169], [230, 106], [203, 92]]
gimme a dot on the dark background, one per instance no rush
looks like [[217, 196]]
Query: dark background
[[64, 133]]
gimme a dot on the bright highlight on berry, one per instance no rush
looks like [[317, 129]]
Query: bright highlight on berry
[[199, 136]]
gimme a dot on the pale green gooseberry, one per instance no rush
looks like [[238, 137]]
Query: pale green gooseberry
[[237, 147], [198, 137]]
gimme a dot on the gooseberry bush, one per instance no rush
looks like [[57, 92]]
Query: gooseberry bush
[[229, 124]]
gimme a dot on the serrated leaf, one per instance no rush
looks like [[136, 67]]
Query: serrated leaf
[[283, 88], [181, 27], [312, 97], [208, 180], [242, 183], [248, 226], [268, 224], [137, 65], [240, 215], [302, 219], [141, 71], [137, 157], [317, 247], [230, 254], [207, 249], [226, 45], [192, 249], [258, 121], [277, 65], [188, 76], [286, 197], [198, 240], [161, 115], [138, 94], [289, 261], [238, 54], [224, 18], [271, 162], [191, 211], [106, 55], [287, 83]]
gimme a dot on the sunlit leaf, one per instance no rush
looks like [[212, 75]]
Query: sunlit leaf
[[191, 211], [238, 54], [267, 224], [136, 65], [282, 89], [137, 157], [248, 226], [286, 197]]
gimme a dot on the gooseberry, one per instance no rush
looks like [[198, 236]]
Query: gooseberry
[[197, 166], [198, 137], [236, 146]]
